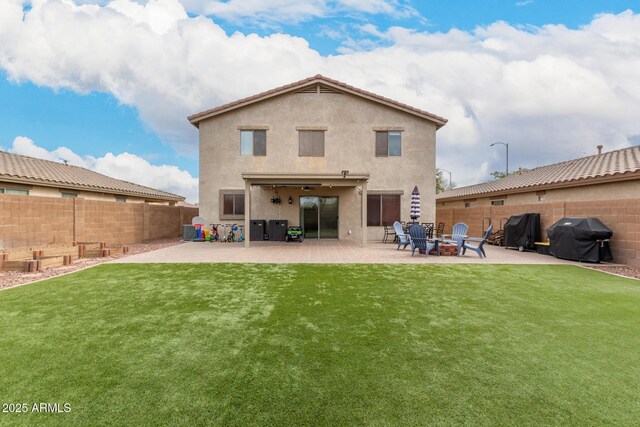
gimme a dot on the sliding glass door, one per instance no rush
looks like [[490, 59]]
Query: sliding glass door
[[319, 217]]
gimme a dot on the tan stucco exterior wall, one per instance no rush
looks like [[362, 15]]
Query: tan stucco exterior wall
[[350, 123]]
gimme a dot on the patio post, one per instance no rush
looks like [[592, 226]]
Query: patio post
[[247, 213], [364, 215]]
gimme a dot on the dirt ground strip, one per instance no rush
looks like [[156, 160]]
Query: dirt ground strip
[[11, 279], [622, 270]]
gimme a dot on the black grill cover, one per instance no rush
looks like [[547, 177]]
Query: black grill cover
[[579, 239], [522, 230]]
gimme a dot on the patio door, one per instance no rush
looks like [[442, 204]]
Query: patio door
[[319, 217]]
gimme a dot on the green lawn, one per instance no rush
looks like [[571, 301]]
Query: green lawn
[[190, 344]]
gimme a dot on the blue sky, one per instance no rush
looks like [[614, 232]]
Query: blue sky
[[124, 84], [441, 16]]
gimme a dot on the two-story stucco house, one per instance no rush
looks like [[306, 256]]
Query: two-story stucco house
[[336, 160]]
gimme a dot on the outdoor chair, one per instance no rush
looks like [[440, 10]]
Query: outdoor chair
[[478, 249], [418, 239], [387, 233], [429, 227], [403, 239], [458, 233]]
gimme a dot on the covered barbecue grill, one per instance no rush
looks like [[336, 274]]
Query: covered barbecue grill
[[580, 239], [521, 231]]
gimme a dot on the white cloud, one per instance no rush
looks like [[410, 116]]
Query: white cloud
[[551, 92], [524, 3], [125, 166]]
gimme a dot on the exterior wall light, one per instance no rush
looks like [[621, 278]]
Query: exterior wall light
[[290, 200]]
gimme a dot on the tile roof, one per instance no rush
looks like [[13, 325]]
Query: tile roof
[[34, 171], [318, 78], [613, 163]]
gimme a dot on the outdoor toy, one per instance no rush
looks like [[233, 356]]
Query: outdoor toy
[[294, 233], [231, 237], [214, 233], [241, 238], [198, 222]]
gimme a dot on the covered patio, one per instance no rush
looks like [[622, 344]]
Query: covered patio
[[349, 191]]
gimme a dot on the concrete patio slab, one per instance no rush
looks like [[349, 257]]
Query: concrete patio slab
[[325, 251]]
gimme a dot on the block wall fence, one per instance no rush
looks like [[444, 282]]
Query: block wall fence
[[27, 221], [621, 216]]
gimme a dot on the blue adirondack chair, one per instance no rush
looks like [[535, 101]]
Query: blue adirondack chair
[[418, 238], [478, 249], [403, 239], [458, 233]]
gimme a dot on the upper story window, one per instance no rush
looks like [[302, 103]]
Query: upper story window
[[388, 143], [497, 202], [253, 142], [66, 195], [311, 143], [121, 199]]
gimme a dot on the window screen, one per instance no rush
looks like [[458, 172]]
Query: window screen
[[388, 143], [383, 209], [253, 142], [233, 204], [311, 143]]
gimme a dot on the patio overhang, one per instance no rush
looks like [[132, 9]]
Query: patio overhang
[[344, 178], [305, 181]]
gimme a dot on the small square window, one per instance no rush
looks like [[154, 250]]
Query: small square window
[[253, 142], [388, 143], [233, 204]]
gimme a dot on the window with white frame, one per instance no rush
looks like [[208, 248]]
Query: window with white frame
[[253, 142], [388, 143], [15, 191]]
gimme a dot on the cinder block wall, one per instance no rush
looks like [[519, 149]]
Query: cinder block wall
[[36, 221], [621, 216]]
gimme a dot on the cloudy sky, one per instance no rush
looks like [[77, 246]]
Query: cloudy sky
[[107, 84]]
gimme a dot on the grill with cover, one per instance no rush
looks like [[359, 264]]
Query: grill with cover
[[580, 239], [522, 231]]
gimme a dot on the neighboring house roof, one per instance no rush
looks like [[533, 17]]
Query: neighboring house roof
[[612, 166], [309, 82], [29, 170]]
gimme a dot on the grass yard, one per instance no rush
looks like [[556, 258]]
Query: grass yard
[[192, 344]]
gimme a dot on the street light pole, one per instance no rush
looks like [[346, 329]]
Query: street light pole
[[506, 144], [444, 170]]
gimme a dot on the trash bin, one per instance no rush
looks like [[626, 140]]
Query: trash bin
[[278, 229], [257, 230]]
